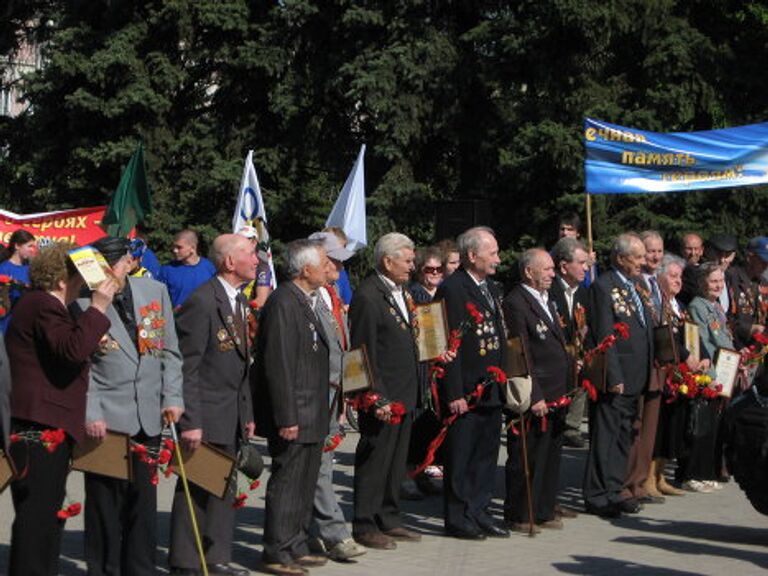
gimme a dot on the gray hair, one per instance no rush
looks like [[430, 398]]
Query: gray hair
[[668, 260], [472, 240], [645, 234], [223, 246], [300, 253], [622, 246], [565, 249], [527, 258], [391, 245]]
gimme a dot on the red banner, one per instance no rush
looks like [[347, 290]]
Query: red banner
[[80, 226]]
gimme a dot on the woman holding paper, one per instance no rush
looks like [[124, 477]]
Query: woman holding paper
[[49, 352], [698, 471]]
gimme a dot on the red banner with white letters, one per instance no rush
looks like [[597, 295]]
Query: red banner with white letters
[[81, 226]]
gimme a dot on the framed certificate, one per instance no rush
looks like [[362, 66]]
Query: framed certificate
[[727, 369], [7, 470], [596, 371], [432, 337], [207, 467], [356, 371], [517, 363], [692, 340], [664, 345], [110, 457]]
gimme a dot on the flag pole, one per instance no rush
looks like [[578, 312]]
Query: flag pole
[[590, 243]]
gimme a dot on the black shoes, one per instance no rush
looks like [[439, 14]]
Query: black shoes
[[607, 511], [465, 533]]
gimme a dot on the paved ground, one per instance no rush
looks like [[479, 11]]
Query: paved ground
[[718, 534]]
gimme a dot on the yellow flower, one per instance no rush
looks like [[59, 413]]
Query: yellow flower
[[683, 389], [703, 379]]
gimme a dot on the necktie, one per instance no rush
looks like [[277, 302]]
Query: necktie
[[638, 304], [123, 307], [338, 314], [655, 297], [487, 293]]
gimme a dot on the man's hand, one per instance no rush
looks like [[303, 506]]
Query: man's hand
[[704, 364], [96, 429], [447, 357], [458, 406], [384, 413], [757, 329], [289, 433], [250, 430], [101, 298], [540, 408], [618, 389], [172, 414], [190, 439]]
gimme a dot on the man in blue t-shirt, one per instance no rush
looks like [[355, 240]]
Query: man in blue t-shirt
[[188, 271]]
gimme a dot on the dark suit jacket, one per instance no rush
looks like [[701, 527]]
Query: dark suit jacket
[[5, 398], [217, 397], [376, 321], [477, 351], [291, 387], [543, 340], [49, 354], [629, 361], [741, 310], [557, 296]]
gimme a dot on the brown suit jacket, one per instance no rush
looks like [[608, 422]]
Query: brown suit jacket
[[49, 353]]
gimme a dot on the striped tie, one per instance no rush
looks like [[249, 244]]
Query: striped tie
[[638, 303]]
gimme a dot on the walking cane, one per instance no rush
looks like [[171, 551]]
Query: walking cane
[[192, 517], [529, 496]]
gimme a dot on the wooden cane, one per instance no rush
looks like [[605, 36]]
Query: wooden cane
[[529, 496], [188, 496]]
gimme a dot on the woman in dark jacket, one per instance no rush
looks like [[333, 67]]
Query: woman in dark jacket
[[49, 354]]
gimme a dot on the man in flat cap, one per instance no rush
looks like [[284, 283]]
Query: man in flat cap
[[134, 382]]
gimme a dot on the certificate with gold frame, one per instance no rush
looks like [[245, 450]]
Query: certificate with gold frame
[[356, 373], [432, 336], [727, 370], [7, 470], [692, 340]]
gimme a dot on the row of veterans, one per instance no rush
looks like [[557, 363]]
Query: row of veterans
[[121, 361]]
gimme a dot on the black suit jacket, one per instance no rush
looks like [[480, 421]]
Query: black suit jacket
[[482, 346], [291, 386], [557, 296], [629, 361], [544, 342], [5, 396], [741, 309], [217, 397], [376, 321]]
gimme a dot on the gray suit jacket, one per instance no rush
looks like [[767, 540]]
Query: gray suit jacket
[[128, 390], [714, 334], [217, 397], [5, 395]]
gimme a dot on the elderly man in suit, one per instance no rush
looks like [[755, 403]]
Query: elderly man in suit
[[135, 381], [212, 326], [472, 447], [614, 297], [381, 318], [291, 392], [570, 298], [531, 315]]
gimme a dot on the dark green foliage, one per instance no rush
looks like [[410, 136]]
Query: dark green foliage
[[454, 99]]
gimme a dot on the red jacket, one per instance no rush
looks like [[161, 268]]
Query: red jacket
[[49, 353]]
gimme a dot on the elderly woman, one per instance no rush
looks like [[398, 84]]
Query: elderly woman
[[49, 353], [698, 471], [428, 274]]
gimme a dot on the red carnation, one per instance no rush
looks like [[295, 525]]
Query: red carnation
[[240, 500], [498, 374], [622, 329], [397, 411], [476, 315], [590, 388], [253, 485]]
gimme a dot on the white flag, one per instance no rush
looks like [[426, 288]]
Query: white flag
[[250, 212], [349, 211]]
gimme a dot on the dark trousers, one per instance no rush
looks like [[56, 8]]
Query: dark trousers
[[37, 496], [575, 413], [544, 450], [644, 440], [611, 421], [290, 494], [469, 480], [121, 521], [379, 470], [215, 520]]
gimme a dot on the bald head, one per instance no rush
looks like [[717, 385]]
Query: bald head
[[235, 258], [537, 269]]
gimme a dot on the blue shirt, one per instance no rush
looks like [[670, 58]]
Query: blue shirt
[[19, 272], [150, 262], [181, 279], [344, 287]]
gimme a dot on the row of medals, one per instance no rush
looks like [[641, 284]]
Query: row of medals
[[489, 343]]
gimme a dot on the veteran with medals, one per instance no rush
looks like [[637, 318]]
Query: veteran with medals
[[614, 298], [472, 444], [135, 379], [212, 326]]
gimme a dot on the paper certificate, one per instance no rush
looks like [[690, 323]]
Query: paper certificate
[[91, 265], [727, 369], [432, 336], [692, 340], [110, 457], [356, 371], [7, 470]]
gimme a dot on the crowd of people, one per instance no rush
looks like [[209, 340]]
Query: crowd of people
[[209, 346]]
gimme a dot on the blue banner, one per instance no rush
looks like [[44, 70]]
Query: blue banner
[[624, 160]]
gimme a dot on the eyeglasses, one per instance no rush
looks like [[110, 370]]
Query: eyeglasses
[[432, 269]]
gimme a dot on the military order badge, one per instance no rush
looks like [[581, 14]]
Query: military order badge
[[151, 329]]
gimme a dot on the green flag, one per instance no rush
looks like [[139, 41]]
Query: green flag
[[130, 203]]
